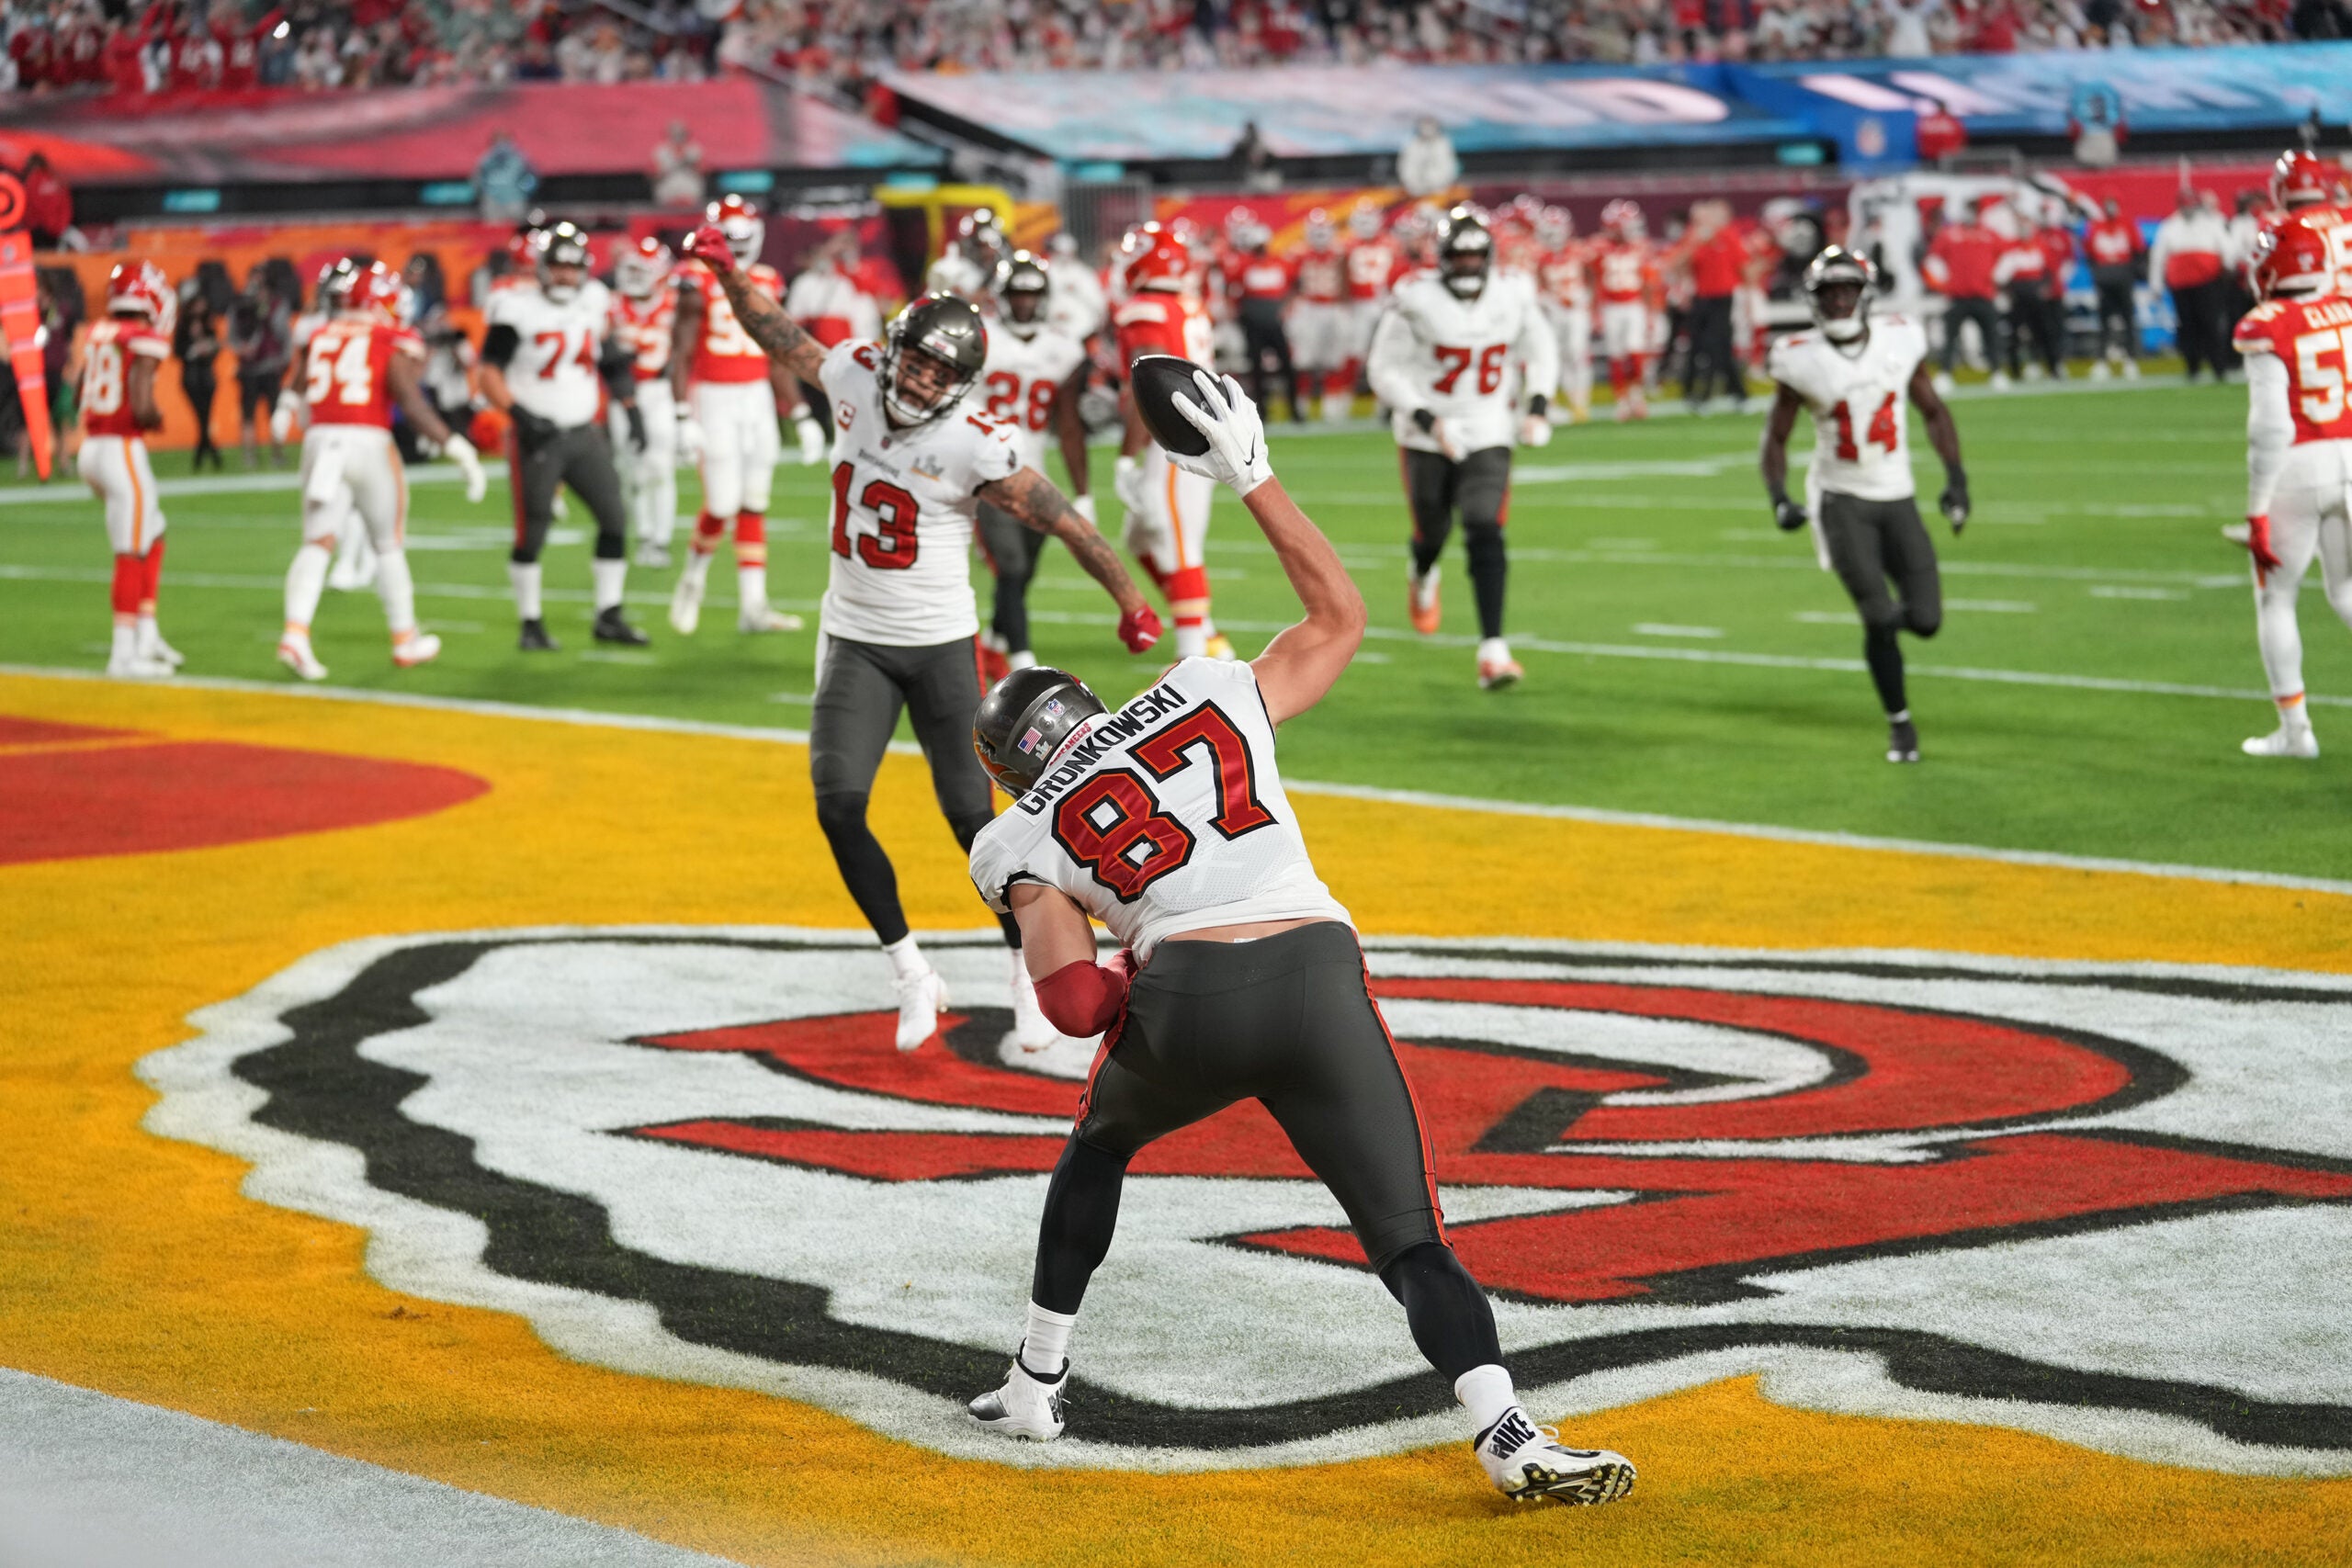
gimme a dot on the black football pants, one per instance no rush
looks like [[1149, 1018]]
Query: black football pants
[[2203, 334], [1957, 313], [1012, 549], [1711, 355], [580, 457], [1478, 488], [1871, 543], [2034, 313], [2118, 315]]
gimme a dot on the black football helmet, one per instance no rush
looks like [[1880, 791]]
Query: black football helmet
[[983, 239], [1465, 253], [941, 338], [559, 245], [1838, 287], [1023, 720], [1022, 284]]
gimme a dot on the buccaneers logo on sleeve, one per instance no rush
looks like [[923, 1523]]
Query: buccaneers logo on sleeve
[[2107, 1206]]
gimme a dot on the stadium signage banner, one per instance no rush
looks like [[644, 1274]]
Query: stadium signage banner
[[2103, 1204]]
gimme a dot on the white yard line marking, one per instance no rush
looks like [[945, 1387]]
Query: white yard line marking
[[1992, 606], [2116, 590], [1657, 628], [1305, 786]]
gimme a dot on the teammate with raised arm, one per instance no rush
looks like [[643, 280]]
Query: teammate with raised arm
[[913, 462], [2298, 345], [1241, 977], [1854, 371]]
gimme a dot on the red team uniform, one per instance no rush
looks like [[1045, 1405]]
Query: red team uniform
[[1322, 324], [645, 323], [1168, 509], [1563, 284], [1630, 288], [113, 460]]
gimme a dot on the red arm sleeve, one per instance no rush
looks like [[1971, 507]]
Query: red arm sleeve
[[1084, 998]]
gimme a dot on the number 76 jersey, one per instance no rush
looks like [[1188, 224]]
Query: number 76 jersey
[[1163, 816], [1861, 445]]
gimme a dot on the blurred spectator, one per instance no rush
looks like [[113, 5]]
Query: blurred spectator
[[1718, 260], [195, 342], [677, 168], [1253, 161], [261, 335], [2096, 116], [504, 180], [49, 205], [1959, 265], [1941, 133], [1906, 32], [1427, 166]]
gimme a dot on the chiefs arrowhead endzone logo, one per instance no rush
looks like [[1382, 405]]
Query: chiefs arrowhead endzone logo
[[1995, 1191]]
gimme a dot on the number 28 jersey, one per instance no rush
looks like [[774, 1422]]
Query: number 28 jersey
[[902, 509], [1861, 445], [1163, 816]]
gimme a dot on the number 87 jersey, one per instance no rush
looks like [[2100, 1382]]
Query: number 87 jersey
[[1861, 445], [1161, 816]]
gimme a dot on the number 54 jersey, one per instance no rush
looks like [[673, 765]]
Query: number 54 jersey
[[1163, 816], [1861, 445]]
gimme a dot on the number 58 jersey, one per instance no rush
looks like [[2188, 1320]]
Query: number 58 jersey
[[1861, 445], [1163, 816]]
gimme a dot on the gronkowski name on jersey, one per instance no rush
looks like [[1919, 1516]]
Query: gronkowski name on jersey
[[553, 373], [1861, 444], [903, 506], [1020, 379], [2313, 338], [1164, 816], [1461, 358]]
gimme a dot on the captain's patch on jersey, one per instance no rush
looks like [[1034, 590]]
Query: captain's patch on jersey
[[2109, 1205]]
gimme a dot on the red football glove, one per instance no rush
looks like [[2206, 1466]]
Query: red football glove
[[1140, 628], [708, 246], [2258, 545]]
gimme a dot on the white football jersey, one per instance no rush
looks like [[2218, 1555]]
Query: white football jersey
[[1163, 816], [1460, 359], [1021, 380], [553, 373], [1862, 443], [956, 272], [903, 504]]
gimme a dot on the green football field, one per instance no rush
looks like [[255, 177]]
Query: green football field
[[2095, 672]]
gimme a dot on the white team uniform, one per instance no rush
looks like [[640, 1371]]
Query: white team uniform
[[1460, 359], [1164, 816], [553, 373], [1021, 380], [1862, 441], [902, 512], [956, 272]]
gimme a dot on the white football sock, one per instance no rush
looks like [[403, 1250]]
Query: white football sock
[[1901, 716], [2276, 633], [150, 634], [1494, 651], [2295, 714], [126, 640], [1044, 1341], [1484, 1392], [525, 579], [750, 589], [611, 577], [396, 586], [697, 567], [305, 581], [905, 959], [1192, 641]]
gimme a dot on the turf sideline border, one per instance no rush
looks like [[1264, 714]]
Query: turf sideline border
[[1598, 816]]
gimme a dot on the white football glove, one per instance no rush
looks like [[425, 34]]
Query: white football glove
[[812, 440], [460, 451], [1127, 482], [1084, 506], [1237, 454], [281, 416], [690, 441], [1535, 430]]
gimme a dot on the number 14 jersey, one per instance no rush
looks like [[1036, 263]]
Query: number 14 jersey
[[1861, 445], [1163, 816]]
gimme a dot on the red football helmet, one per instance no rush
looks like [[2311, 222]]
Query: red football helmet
[[2299, 179], [1623, 219], [641, 268], [376, 291], [139, 288], [2291, 258], [746, 231], [1320, 234], [1150, 257]]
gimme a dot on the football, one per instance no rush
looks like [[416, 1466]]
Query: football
[[1156, 377]]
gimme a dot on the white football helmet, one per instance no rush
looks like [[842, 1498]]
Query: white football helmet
[[746, 231]]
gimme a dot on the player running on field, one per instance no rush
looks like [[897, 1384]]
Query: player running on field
[[546, 360], [119, 361], [355, 557], [2298, 347], [1242, 977], [731, 391], [1445, 362], [645, 324], [912, 460], [1033, 380], [358, 366], [1630, 288], [1168, 509], [1853, 370]]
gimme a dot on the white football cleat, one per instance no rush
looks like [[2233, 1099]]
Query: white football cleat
[[1527, 1465], [421, 648], [2130, 369], [2283, 741], [1026, 1406], [153, 647], [137, 667], [1497, 668], [759, 618], [920, 1001], [2100, 370], [1423, 606], [2000, 380], [686, 606], [294, 652], [1942, 382], [1031, 1030], [812, 441]]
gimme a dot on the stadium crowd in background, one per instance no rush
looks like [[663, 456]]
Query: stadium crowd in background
[[177, 45]]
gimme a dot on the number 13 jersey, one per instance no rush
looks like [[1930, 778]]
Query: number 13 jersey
[[1861, 445], [902, 509], [1163, 816]]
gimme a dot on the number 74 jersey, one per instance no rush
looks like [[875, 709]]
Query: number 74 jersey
[[1861, 445], [1163, 816]]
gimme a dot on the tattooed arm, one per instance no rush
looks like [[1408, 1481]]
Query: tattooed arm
[[761, 317], [1031, 497]]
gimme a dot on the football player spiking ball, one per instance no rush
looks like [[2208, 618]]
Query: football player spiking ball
[[1854, 371]]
